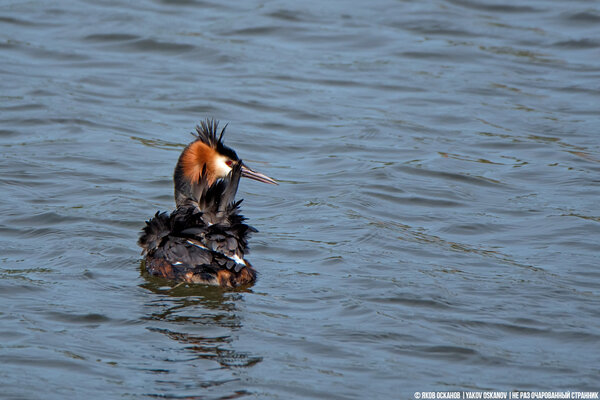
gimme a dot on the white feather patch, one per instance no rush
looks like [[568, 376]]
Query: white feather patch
[[197, 245], [238, 259]]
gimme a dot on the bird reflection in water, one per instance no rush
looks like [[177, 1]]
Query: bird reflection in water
[[203, 319]]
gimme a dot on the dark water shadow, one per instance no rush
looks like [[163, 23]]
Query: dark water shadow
[[203, 318]]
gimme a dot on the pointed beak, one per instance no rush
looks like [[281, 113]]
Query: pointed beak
[[257, 176]]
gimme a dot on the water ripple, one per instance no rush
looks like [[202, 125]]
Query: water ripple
[[435, 228]]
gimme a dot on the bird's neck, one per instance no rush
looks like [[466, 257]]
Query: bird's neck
[[183, 187], [206, 192]]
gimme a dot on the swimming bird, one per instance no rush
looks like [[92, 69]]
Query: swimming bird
[[205, 239]]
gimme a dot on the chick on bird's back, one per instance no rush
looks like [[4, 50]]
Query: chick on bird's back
[[205, 239]]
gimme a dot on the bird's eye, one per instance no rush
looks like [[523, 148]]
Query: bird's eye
[[229, 163]]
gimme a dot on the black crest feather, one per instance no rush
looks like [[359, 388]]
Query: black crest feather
[[207, 132]]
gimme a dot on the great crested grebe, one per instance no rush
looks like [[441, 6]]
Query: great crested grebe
[[204, 240]]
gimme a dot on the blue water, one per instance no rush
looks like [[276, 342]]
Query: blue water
[[436, 226]]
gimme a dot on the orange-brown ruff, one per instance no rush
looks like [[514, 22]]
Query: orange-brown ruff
[[205, 239]]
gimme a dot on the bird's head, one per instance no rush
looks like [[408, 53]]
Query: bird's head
[[207, 159]]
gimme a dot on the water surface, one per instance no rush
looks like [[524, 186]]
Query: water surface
[[436, 228]]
